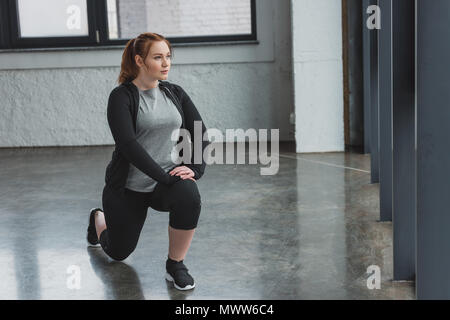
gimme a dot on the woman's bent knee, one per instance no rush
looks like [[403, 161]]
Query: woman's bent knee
[[186, 214], [186, 194], [185, 205], [116, 252], [119, 255]]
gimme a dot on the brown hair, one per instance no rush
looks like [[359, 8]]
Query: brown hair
[[140, 45]]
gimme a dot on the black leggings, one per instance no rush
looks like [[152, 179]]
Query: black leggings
[[125, 213]]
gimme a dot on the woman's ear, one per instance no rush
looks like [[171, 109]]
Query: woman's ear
[[138, 60]]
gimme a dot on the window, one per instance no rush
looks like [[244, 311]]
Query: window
[[91, 23], [63, 19]]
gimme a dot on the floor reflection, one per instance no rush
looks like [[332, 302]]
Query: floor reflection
[[120, 280]]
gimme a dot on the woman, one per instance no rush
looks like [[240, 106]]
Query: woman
[[143, 111]]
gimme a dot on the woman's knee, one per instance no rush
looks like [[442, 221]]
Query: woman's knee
[[185, 194], [119, 254], [186, 207], [115, 249]]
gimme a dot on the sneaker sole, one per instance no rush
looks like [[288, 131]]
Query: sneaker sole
[[93, 245], [188, 287]]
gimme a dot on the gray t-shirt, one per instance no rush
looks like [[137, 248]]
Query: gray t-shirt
[[157, 118]]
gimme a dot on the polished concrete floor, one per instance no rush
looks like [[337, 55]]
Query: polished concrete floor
[[309, 232]]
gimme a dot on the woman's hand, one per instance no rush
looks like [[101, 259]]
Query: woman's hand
[[184, 173]]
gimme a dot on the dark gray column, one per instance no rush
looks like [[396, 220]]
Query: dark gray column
[[433, 149], [366, 76], [374, 108], [370, 63], [374, 118], [355, 73], [403, 77], [385, 74]]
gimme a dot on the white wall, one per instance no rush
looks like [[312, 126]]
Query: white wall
[[59, 97], [318, 77]]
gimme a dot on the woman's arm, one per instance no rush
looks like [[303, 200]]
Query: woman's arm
[[191, 114], [121, 124]]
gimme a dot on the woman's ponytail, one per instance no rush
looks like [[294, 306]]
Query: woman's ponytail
[[128, 69]]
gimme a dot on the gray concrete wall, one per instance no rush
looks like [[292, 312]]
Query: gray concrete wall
[[59, 97]]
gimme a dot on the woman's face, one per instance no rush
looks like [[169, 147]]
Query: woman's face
[[157, 61]]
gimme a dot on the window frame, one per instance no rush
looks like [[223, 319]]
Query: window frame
[[98, 31]]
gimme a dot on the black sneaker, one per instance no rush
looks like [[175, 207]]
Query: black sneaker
[[91, 236], [178, 274]]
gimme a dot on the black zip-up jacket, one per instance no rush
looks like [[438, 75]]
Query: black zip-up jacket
[[123, 106]]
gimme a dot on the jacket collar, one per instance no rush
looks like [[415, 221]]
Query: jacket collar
[[129, 84]]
